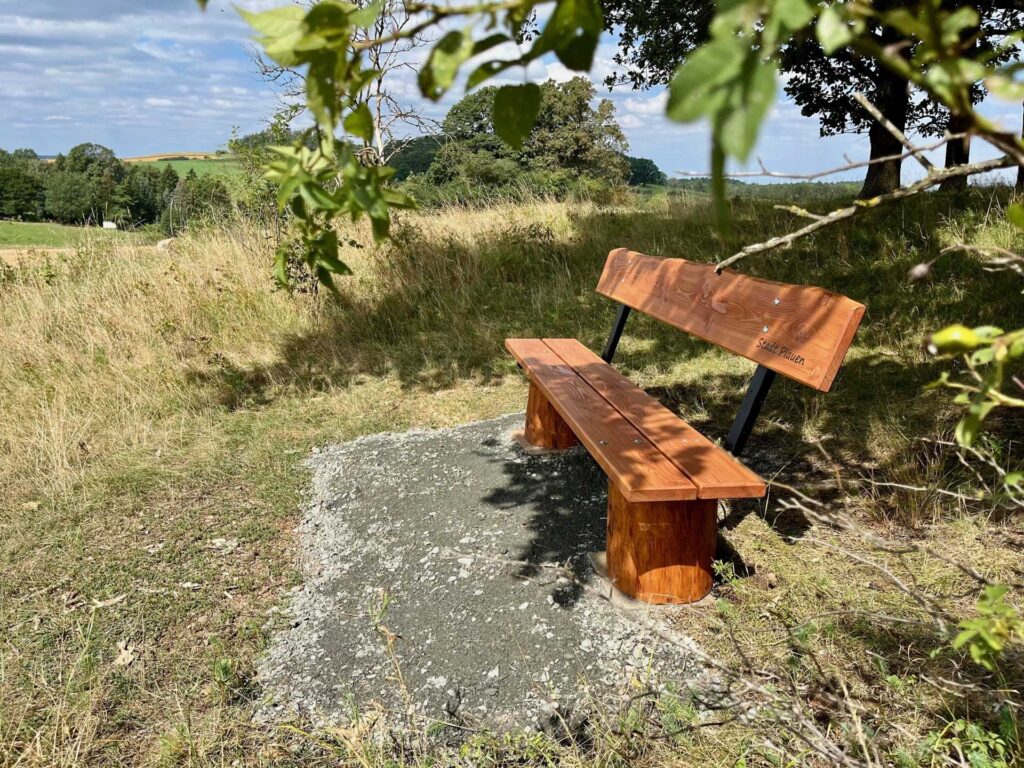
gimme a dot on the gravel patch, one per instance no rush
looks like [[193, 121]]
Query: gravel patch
[[443, 575]]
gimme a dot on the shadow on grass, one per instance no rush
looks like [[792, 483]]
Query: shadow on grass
[[441, 305]]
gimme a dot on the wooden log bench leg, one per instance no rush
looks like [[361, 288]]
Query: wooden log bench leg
[[661, 552], [545, 428]]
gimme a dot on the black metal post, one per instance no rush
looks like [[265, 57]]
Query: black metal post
[[749, 409], [616, 334]]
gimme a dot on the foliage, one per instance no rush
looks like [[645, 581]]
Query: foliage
[[643, 171], [194, 198], [413, 155], [21, 193], [72, 198], [968, 744], [987, 635], [574, 147], [91, 185], [329, 40], [656, 36]]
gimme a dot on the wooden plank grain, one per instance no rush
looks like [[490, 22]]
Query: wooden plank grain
[[631, 461], [715, 472], [799, 331]]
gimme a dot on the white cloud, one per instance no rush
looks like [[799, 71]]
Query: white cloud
[[52, 118], [651, 105]]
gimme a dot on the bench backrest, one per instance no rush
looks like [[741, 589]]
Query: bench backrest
[[799, 331]]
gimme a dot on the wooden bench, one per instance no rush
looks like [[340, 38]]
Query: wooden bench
[[665, 477]]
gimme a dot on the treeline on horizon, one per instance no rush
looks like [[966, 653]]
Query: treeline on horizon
[[90, 185], [577, 150]]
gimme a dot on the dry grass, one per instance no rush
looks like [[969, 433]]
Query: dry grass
[[156, 407]]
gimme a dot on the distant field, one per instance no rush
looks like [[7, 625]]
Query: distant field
[[21, 234], [226, 166], [171, 156]]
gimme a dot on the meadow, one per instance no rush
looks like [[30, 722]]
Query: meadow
[[26, 234], [206, 166], [157, 402]]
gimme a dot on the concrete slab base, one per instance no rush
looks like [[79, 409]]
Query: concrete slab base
[[447, 586]]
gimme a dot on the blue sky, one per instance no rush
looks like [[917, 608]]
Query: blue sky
[[160, 76]]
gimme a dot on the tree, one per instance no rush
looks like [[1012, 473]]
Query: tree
[[138, 199], [656, 36], [391, 45], [21, 193], [570, 133], [92, 159], [414, 156], [195, 198], [71, 197], [643, 171]]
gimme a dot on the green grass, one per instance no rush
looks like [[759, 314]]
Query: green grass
[[23, 234], [227, 166], [156, 401]]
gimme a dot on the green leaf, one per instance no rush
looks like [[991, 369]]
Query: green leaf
[[317, 199], [1005, 87], [572, 33], [832, 30], [988, 332], [1015, 214], [359, 122], [280, 30], [982, 356], [441, 67], [486, 71], [967, 429], [961, 20], [364, 17], [1013, 479], [794, 14], [515, 112], [721, 204], [281, 267], [755, 94], [952, 340], [694, 91]]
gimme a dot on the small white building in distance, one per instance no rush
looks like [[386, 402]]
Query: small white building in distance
[[109, 225]]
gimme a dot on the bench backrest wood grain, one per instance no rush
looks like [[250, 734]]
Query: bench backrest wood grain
[[799, 331]]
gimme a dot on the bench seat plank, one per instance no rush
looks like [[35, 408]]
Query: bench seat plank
[[715, 472], [637, 467]]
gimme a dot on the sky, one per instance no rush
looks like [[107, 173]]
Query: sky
[[162, 76]]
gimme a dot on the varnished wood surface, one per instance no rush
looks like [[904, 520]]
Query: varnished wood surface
[[629, 459], [715, 472], [545, 428], [799, 331], [661, 552]]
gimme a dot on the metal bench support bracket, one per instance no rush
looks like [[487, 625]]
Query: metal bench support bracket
[[749, 410]]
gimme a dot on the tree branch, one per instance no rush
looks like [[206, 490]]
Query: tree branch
[[934, 177]]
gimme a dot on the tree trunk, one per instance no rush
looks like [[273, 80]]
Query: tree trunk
[[958, 152], [892, 97]]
